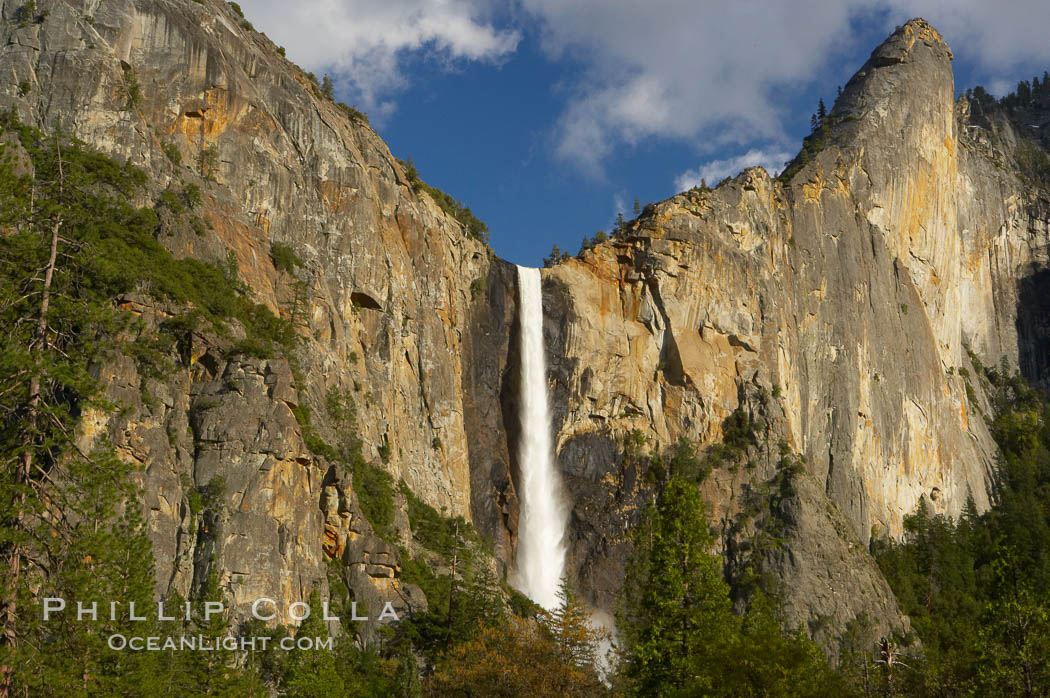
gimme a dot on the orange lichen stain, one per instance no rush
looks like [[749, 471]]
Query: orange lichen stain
[[811, 189], [204, 119], [251, 252], [332, 544], [336, 196], [262, 222], [927, 32], [962, 413]]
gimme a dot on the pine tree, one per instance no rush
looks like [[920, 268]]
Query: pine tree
[[572, 631], [1014, 635], [215, 672], [764, 660], [68, 524], [554, 258], [311, 673], [637, 207], [676, 619], [512, 659], [822, 112], [1024, 92]]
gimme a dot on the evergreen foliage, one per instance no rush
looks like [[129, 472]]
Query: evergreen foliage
[[678, 633], [509, 660], [284, 258], [556, 257], [976, 587], [471, 224], [70, 523]]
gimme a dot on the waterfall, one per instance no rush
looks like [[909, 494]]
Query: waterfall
[[544, 515]]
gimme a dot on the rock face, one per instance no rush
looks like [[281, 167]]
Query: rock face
[[840, 304], [834, 310], [395, 290]]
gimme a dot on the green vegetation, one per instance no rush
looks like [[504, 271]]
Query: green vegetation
[[473, 227], [554, 657], [171, 151], [188, 198], [132, 91], [325, 89], [435, 531], [633, 444], [589, 243], [976, 588], [375, 494], [1033, 161], [702, 188], [819, 132], [71, 243], [27, 14], [353, 113], [678, 632], [556, 257], [1026, 109], [284, 258], [209, 162], [118, 253]]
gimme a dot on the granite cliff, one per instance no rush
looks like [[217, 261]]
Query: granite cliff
[[823, 322]]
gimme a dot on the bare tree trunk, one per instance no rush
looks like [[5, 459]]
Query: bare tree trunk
[[452, 584], [23, 473]]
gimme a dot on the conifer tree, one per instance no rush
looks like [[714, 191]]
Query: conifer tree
[[68, 524], [311, 673], [677, 619], [572, 631], [554, 258]]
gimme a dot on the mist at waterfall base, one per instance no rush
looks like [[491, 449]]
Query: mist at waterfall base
[[544, 513]]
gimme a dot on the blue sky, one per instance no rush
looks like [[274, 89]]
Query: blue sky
[[547, 117]]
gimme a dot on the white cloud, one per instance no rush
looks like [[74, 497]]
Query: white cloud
[[714, 74], [711, 75], [683, 70], [998, 36], [714, 171], [363, 43]]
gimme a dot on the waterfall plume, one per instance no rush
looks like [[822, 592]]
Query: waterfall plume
[[544, 514]]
